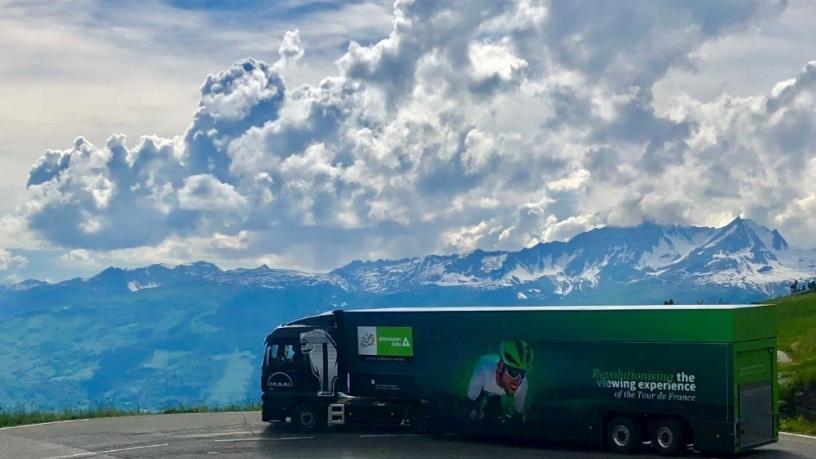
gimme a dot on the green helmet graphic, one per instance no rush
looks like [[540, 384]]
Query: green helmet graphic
[[516, 354]]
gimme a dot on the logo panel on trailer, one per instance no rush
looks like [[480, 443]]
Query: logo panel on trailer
[[385, 341]]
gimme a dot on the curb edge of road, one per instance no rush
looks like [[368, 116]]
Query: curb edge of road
[[117, 417], [812, 437], [37, 424]]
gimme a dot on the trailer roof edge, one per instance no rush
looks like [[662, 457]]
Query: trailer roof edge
[[559, 308]]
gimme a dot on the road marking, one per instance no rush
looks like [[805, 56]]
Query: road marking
[[214, 434], [43, 424], [799, 435], [91, 453], [74, 455], [388, 435], [229, 440]]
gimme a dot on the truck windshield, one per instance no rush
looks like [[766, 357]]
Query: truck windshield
[[282, 351], [271, 352]]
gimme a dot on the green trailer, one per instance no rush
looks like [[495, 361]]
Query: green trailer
[[672, 375]]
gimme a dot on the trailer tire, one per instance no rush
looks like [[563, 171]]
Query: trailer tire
[[306, 418], [669, 436], [417, 418], [624, 435]]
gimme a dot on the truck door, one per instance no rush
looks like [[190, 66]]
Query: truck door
[[288, 369], [755, 396], [321, 352]]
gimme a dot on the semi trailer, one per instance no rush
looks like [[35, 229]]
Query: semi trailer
[[672, 375]]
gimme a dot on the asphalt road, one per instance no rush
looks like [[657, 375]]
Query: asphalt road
[[244, 435]]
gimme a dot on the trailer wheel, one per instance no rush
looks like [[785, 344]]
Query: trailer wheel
[[669, 436], [306, 418], [416, 415], [624, 435]]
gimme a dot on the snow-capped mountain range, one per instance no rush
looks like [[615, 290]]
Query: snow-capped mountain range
[[160, 336], [741, 255]]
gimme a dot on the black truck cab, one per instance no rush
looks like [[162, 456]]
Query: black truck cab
[[299, 367], [305, 382]]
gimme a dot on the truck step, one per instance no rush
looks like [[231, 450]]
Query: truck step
[[337, 414]]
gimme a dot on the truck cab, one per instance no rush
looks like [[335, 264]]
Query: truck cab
[[306, 383], [299, 370]]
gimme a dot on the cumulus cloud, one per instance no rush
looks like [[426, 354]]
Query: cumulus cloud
[[474, 123], [561, 230], [290, 50], [10, 262], [752, 156], [76, 255], [570, 183], [470, 238], [205, 192]]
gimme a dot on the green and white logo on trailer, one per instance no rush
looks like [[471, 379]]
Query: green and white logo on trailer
[[385, 341]]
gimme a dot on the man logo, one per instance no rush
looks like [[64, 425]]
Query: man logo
[[279, 381]]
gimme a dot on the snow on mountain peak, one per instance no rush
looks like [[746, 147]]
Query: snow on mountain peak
[[493, 263], [742, 254], [771, 239], [134, 286]]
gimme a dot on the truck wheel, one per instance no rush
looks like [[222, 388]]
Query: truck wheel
[[624, 435], [306, 419], [669, 436]]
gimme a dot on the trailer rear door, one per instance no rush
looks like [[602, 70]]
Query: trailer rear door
[[755, 397]]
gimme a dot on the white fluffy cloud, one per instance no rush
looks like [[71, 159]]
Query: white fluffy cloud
[[11, 262], [76, 256], [205, 192], [290, 50], [474, 123]]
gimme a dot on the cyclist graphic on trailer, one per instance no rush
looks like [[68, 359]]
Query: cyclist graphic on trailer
[[498, 385]]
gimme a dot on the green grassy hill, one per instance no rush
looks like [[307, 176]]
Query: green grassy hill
[[797, 339]]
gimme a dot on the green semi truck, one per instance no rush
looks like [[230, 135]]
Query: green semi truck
[[672, 375]]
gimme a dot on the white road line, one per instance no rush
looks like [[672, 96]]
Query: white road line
[[214, 434], [132, 448], [117, 450], [43, 424], [88, 454], [798, 435], [388, 435], [230, 440]]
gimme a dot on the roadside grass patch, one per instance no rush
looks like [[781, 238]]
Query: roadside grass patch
[[797, 425], [796, 316]]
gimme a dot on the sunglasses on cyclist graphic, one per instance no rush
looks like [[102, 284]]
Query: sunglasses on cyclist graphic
[[515, 373]]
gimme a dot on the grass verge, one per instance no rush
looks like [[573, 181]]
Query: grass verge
[[798, 425], [796, 316]]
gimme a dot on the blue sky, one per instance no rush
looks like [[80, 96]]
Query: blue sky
[[309, 134]]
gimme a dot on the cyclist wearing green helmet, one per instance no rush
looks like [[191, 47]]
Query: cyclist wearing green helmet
[[501, 375]]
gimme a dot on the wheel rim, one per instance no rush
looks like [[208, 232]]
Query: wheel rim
[[307, 419], [621, 436], [665, 437]]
